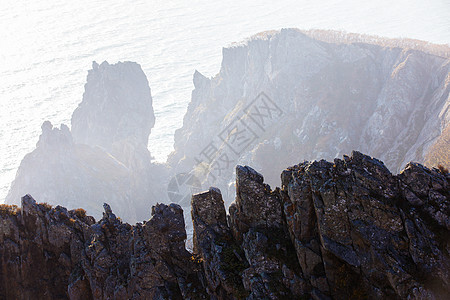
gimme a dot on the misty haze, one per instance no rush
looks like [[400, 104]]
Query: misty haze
[[215, 150]]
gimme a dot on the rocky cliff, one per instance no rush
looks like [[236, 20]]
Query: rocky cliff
[[104, 157], [116, 113], [279, 97], [347, 229], [291, 95]]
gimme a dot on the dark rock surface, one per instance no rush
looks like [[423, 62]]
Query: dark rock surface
[[221, 257], [52, 253], [347, 229], [258, 226], [357, 234]]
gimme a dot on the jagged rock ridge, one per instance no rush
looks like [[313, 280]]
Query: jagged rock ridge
[[53, 253], [340, 230]]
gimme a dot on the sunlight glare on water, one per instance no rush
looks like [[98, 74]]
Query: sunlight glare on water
[[47, 47]]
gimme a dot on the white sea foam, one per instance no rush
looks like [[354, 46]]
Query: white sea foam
[[47, 47]]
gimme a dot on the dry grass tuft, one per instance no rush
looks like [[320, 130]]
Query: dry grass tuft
[[46, 206], [80, 213], [9, 210], [443, 169], [439, 153]]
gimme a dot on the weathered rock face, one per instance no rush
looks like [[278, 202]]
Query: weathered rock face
[[360, 231], [146, 261], [342, 230], [39, 249], [256, 219], [223, 260], [324, 96], [116, 109], [52, 253]]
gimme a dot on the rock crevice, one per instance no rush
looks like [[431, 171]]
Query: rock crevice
[[347, 229]]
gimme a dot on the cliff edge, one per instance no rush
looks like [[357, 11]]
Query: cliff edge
[[347, 229]]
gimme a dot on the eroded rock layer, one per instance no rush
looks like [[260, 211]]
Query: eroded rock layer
[[347, 229]]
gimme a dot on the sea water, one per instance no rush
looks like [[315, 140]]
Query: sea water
[[46, 48]]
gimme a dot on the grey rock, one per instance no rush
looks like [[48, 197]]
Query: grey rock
[[104, 158], [330, 93]]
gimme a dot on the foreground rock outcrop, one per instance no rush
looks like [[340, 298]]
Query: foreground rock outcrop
[[347, 229], [53, 253], [360, 231]]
